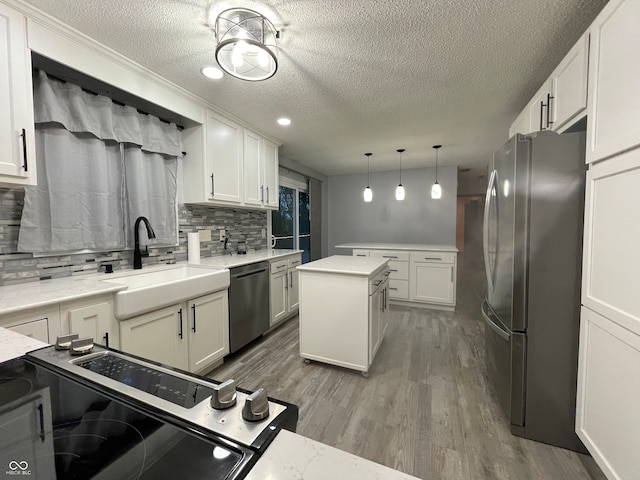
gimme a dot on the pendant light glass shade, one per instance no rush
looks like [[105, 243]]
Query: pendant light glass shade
[[247, 47], [368, 193], [400, 188], [436, 190]]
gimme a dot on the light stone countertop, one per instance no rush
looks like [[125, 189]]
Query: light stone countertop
[[13, 344], [294, 457], [344, 264], [24, 296], [235, 260], [400, 246]]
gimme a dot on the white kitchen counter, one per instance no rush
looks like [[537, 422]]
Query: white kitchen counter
[[13, 345], [235, 260], [400, 246], [364, 266], [294, 457], [16, 298]]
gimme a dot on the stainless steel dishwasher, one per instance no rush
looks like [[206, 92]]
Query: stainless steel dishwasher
[[248, 304]]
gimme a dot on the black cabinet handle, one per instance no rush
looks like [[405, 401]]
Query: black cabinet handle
[[212, 186], [24, 150], [389, 256], [541, 107], [41, 415], [180, 319], [262, 193], [549, 98], [106, 339], [193, 309], [267, 193], [291, 279]]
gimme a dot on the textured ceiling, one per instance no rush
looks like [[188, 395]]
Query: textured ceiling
[[359, 75]]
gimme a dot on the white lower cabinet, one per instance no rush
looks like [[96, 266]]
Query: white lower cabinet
[[424, 277], [433, 279], [191, 336], [160, 336], [343, 317], [92, 318], [608, 395], [26, 430], [208, 330], [41, 324], [284, 287]]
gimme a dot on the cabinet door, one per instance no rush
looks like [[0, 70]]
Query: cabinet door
[[614, 76], [160, 336], [253, 169], [38, 329], [538, 111], [293, 296], [93, 321], [279, 283], [611, 239], [375, 323], [433, 283], [208, 330], [608, 394], [270, 162], [569, 86], [17, 143], [224, 159], [26, 431]]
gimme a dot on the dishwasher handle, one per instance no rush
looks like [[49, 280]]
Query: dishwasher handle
[[249, 273]]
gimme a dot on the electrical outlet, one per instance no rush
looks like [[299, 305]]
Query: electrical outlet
[[264, 233], [222, 235], [205, 235]]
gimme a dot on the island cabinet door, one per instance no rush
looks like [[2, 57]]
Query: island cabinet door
[[433, 278], [278, 285]]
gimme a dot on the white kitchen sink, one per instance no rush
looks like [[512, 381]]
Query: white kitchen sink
[[153, 290]]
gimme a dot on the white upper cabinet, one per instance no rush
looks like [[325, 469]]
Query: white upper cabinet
[[260, 171], [223, 159], [569, 87], [614, 79], [270, 162], [17, 143]]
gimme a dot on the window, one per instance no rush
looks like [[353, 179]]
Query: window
[[291, 224]]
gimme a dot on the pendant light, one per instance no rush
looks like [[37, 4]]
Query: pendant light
[[400, 188], [436, 190], [368, 193]]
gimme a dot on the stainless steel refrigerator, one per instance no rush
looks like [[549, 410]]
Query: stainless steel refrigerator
[[532, 238]]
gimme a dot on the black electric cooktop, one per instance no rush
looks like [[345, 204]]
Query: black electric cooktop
[[55, 427]]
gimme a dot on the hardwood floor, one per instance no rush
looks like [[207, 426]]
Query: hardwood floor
[[425, 409]]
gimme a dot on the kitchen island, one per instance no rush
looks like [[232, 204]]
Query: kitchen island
[[421, 274], [343, 310]]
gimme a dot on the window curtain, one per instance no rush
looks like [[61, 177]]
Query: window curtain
[[315, 201], [100, 166]]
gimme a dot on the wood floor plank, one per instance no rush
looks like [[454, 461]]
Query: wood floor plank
[[426, 408]]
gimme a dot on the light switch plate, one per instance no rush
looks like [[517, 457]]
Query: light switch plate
[[264, 233], [222, 235], [205, 235]]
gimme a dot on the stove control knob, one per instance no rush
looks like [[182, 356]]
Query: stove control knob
[[81, 346], [256, 406], [63, 342], [224, 395]]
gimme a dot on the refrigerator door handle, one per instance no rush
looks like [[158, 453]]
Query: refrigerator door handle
[[485, 230], [487, 315]]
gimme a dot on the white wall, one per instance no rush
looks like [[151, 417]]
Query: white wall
[[417, 219]]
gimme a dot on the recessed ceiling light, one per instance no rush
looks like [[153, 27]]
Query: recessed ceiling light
[[212, 72], [284, 121]]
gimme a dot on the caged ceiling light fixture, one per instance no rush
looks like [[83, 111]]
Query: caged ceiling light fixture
[[436, 190], [400, 188], [368, 193], [247, 44]]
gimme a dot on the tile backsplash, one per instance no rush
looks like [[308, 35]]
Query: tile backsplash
[[18, 267]]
